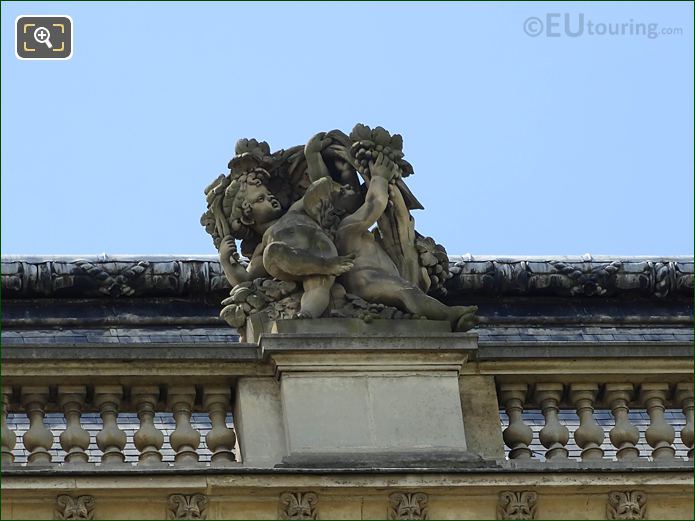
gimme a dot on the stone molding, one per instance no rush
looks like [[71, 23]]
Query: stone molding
[[161, 276]]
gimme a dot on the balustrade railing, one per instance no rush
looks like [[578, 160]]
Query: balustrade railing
[[113, 408], [557, 402], [165, 406]]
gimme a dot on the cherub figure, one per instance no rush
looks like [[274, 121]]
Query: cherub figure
[[296, 246], [374, 276], [299, 246], [254, 209]]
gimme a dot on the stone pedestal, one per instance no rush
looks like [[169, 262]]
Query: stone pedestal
[[351, 398]]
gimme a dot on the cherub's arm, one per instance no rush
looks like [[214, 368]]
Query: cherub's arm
[[235, 272], [377, 197], [316, 167]]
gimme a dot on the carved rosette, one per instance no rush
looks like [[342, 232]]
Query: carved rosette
[[298, 505], [193, 506], [626, 504], [404, 505], [74, 507], [517, 505]]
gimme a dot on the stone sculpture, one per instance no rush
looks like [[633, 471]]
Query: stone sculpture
[[187, 506], [71, 507], [626, 504], [408, 506], [517, 505], [305, 221], [298, 505]]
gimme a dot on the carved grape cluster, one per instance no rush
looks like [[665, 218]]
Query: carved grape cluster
[[367, 144]]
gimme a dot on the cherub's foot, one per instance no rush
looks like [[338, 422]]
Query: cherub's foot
[[467, 319], [340, 265]]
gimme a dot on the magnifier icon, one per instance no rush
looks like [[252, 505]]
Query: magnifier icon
[[43, 35]]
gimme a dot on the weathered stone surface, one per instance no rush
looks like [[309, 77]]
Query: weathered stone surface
[[258, 420], [479, 404], [356, 399]]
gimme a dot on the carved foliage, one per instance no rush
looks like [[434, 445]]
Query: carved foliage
[[69, 507], [194, 506], [110, 284], [408, 506], [626, 504], [517, 505], [298, 505]]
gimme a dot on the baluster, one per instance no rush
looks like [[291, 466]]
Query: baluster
[[185, 439], [684, 396], [148, 439], [8, 437], [589, 435], [517, 436], [659, 434], [624, 436], [221, 439], [38, 440], [111, 440], [74, 439], [554, 436]]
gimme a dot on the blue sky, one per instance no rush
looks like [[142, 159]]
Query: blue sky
[[521, 144]]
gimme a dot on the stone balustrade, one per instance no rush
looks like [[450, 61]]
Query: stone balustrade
[[556, 403], [518, 399], [109, 401]]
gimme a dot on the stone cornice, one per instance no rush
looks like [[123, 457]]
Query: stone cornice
[[114, 276]]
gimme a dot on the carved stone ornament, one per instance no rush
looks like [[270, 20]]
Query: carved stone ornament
[[325, 230], [194, 506], [627, 505], [55, 277], [517, 505], [408, 506], [79, 507], [298, 505]]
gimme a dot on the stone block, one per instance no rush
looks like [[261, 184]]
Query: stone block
[[258, 421], [385, 400], [481, 416]]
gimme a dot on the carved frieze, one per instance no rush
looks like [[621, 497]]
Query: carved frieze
[[586, 277], [100, 278], [74, 507], [298, 505], [403, 505], [183, 506], [624, 504], [517, 505]]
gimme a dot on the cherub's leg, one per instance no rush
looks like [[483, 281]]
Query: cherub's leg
[[376, 286], [281, 260], [317, 293]]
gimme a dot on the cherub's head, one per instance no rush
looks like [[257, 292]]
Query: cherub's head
[[322, 202], [252, 203]]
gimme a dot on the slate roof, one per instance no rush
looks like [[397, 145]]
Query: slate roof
[[226, 335]]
